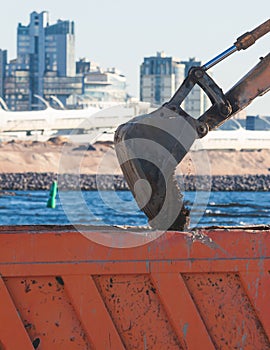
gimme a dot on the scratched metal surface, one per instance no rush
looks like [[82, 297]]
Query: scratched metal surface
[[47, 313], [137, 312], [208, 289], [227, 311]]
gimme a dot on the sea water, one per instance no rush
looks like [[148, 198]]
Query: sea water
[[119, 208]]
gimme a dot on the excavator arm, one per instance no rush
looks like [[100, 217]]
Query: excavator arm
[[149, 147]]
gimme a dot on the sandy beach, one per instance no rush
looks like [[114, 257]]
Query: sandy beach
[[59, 156]]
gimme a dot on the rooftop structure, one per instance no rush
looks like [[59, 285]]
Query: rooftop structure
[[104, 85]]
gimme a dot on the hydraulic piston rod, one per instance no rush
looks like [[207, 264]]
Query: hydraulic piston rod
[[242, 43]]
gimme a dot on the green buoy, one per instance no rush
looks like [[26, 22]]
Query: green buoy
[[53, 191]]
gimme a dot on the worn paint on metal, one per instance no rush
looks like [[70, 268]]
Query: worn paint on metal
[[60, 291]]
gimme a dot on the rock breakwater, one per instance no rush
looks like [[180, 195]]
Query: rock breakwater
[[42, 181]]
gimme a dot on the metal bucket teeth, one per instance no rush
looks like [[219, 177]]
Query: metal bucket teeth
[[149, 148]]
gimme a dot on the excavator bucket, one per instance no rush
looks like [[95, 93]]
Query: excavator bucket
[[149, 147]]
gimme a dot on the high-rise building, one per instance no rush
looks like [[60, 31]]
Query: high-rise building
[[17, 87], [3, 63], [60, 48], [160, 77], [41, 48]]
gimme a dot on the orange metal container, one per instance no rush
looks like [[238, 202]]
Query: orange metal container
[[60, 290]]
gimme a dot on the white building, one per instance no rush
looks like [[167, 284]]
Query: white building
[[101, 85]]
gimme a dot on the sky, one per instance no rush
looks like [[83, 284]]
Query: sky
[[120, 33]]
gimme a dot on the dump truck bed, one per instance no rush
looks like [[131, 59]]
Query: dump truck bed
[[204, 290]]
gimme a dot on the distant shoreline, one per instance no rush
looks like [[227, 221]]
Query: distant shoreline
[[47, 157], [32, 181]]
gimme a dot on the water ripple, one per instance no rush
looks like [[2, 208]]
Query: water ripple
[[119, 208]]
